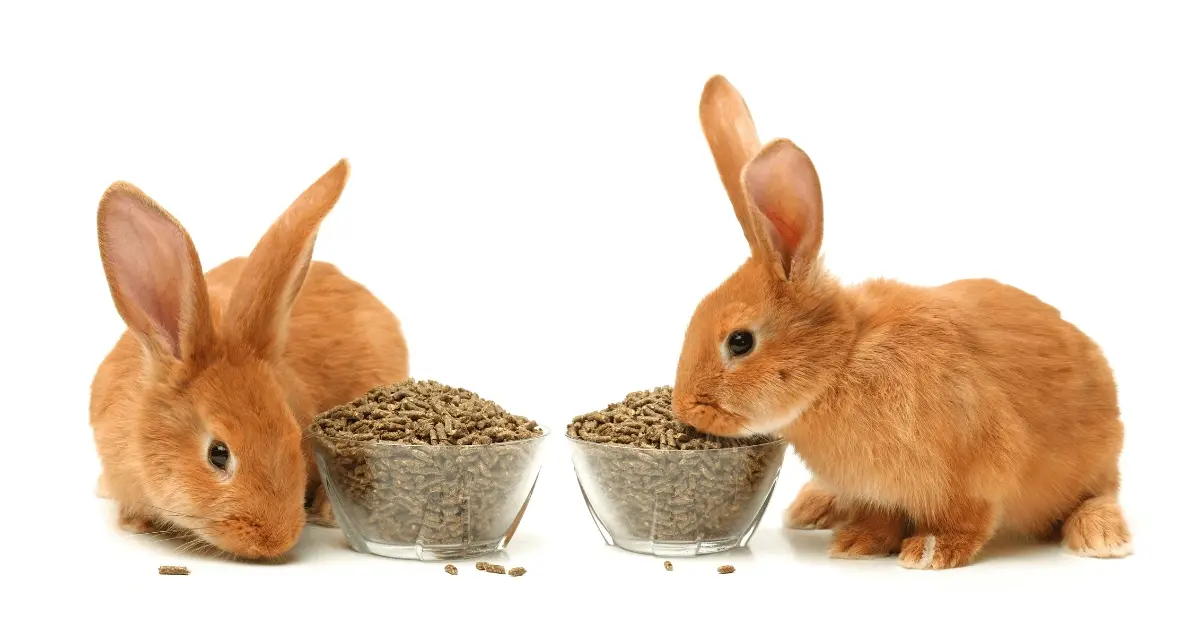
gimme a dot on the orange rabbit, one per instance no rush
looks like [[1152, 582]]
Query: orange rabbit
[[930, 417], [197, 412]]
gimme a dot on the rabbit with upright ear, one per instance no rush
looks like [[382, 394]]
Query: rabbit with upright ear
[[930, 417], [198, 410]]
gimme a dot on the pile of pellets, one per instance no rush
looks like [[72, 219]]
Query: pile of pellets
[[424, 412], [433, 494], [651, 477], [645, 420]]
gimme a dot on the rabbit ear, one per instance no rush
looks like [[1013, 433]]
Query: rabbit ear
[[784, 193], [261, 304], [733, 140], [154, 275]]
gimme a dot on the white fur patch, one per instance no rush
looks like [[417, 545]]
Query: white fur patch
[[1116, 551], [927, 554], [774, 424]]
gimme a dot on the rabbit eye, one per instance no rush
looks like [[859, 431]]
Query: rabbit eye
[[740, 342], [218, 455]]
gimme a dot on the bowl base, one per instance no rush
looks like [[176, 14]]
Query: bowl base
[[426, 553], [678, 549]]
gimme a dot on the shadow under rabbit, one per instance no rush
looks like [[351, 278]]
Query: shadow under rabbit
[[809, 544]]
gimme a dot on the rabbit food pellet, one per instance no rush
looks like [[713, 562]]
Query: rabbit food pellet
[[668, 566], [516, 571], [431, 494], [169, 570], [482, 566], [725, 568], [451, 569], [654, 478]]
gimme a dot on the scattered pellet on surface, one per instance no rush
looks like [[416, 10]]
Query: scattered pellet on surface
[[668, 566], [495, 568], [482, 566], [516, 571], [428, 494], [169, 570], [683, 498], [451, 569], [725, 568]]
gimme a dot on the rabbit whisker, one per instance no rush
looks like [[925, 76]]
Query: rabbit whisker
[[182, 515], [191, 545], [135, 534]]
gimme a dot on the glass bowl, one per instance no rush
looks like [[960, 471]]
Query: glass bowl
[[425, 502], [676, 503]]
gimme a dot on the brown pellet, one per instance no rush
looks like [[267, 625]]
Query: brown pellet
[[427, 495], [451, 569], [489, 567], [693, 498], [668, 566], [725, 568], [516, 571], [170, 570]]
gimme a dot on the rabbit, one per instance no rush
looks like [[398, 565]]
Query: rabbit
[[930, 418], [197, 412]]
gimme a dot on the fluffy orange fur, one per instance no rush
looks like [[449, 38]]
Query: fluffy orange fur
[[246, 354], [930, 417]]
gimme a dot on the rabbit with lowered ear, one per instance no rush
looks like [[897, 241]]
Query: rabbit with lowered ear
[[197, 411], [930, 417]]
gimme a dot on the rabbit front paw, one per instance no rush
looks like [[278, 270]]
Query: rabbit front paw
[[813, 508], [950, 540], [870, 534], [320, 512], [933, 551], [1097, 529]]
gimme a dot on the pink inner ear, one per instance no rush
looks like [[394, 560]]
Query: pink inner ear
[[789, 231], [782, 185], [770, 191], [147, 254]]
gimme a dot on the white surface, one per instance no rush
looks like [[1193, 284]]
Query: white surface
[[532, 194]]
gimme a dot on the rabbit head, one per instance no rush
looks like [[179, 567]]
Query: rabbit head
[[765, 343], [215, 439]]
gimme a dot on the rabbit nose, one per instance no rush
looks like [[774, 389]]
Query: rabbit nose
[[706, 415], [275, 542], [273, 537]]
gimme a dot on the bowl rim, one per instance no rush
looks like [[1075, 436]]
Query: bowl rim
[[313, 434], [636, 449]]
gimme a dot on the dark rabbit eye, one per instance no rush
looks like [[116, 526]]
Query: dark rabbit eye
[[740, 342], [218, 455]]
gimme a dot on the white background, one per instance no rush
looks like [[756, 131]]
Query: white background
[[531, 193]]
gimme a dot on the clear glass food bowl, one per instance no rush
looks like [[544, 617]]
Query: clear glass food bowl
[[674, 503], [425, 502]]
